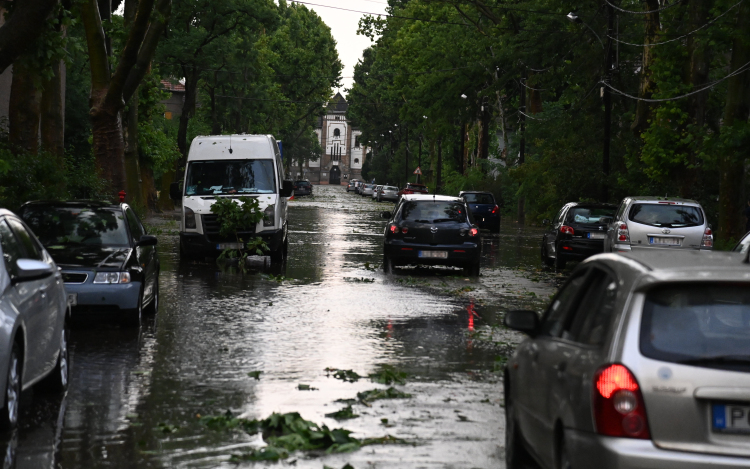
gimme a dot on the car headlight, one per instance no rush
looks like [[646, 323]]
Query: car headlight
[[189, 218], [269, 215], [112, 277]]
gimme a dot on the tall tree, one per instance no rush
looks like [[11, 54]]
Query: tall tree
[[22, 28]]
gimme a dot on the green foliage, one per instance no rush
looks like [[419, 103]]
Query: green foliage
[[377, 394], [343, 414], [388, 375], [348, 376], [233, 216]]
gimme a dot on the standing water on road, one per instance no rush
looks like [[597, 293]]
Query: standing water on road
[[254, 344]]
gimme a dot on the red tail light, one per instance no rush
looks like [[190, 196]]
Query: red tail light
[[622, 233], [564, 229], [708, 239], [394, 229], [473, 232], [404, 230], [495, 209], [618, 404]]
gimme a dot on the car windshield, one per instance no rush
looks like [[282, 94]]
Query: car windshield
[[705, 324], [433, 211], [485, 199], [230, 177], [666, 215], [589, 215], [60, 226]]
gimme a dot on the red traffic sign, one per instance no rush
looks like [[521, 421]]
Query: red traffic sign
[[418, 170]]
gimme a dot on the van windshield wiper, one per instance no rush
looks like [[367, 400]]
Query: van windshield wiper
[[717, 360]]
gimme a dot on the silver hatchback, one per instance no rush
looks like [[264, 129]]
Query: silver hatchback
[[642, 360], [658, 223]]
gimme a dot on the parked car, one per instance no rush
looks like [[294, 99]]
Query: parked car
[[484, 208], [413, 188], [358, 187], [367, 189], [109, 263], [303, 188], [34, 310], [431, 230], [658, 223], [219, 166], [642, 360], [577, 232], [376, 191], [743, 245], [351, 185], [388, 193]]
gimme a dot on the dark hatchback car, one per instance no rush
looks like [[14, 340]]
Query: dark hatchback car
[[413, 188], [484, 209], [109, 264], [577, 232], [431, 230], [303, 188]]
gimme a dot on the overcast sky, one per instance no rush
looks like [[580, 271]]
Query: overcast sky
[[343, 25]]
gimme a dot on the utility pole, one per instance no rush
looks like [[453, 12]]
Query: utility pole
[[419, 160], [522, 146], [607, 95]]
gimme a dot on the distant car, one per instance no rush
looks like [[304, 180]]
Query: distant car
[[577, 232], [358, 187], [658, 223], [303, 188], [484, 208], [388, 193], [642, 360], [376, 191], [367, 189], [109, 264], [431, 230], [351, 185], [34, 310], [413, 188]]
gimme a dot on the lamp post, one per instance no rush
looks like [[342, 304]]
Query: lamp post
[[606, 92]]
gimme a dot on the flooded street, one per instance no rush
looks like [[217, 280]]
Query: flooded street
[[137, 396]]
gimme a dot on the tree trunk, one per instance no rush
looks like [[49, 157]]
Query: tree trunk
[[521, 210], [108, 145], [459, 150], [483, 149], [53, 114], [24, 108], [188, 108], [22, 29], [736, 115], [439, 182], [132, 166], [643, 109]]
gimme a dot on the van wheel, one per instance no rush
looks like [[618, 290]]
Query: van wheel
[[57, 380], [9, 412], [279, 254]]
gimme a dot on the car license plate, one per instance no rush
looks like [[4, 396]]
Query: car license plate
[[597, 235], [731, 418], [73, 299], [434, 254], [223, 246], [665, 241]]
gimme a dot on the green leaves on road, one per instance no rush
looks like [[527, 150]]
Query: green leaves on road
[[376, 394]]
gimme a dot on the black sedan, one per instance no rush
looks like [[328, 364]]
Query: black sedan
[[302, 188], [109, 263], [577, 232], [484, 209], [431, 230]]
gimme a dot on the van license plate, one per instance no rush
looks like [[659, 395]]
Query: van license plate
[[731, 418], [665, 241], [434, 254], [223, 246], [72, 299], [597, 235]]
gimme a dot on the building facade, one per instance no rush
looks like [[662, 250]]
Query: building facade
[[343, 153]]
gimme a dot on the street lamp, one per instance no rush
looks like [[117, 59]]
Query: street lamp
[[575, 19]]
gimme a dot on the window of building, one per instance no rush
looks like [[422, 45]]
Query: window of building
[[356, 160], [336, 132], [356, 141]]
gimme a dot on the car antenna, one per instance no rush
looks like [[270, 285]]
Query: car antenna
[[230, 144]]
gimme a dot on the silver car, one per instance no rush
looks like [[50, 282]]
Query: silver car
[[376, 191], [642, 360], [367, 189], [33, 312], [388, 193], [658, 223]]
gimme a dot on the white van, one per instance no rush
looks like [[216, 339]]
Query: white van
[[232, 166]]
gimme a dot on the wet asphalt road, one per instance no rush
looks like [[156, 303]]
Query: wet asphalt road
[[136, 395]]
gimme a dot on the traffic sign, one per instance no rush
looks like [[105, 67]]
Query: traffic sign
[[418, 170]]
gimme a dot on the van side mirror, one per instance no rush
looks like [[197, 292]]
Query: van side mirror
[[146, 240], [287, 189], [385, 215], [522, 321], [174, 191]]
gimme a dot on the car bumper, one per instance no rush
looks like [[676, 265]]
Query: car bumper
[[459, 255], [579, 249], [199, 244], [592, 451], [103, 299], [303, 192]]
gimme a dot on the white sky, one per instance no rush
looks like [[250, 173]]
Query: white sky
[[343, 25]]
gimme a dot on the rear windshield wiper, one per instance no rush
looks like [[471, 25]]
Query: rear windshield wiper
[[441, 220], [717, 360]]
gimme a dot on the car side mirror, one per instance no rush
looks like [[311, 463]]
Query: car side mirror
[[605, 220], [385, 215], [522, 321], [174, 191], [31, 269], [287, 189], [146, 240], [545, 221]]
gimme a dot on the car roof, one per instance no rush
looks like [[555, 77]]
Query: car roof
[[437, 198], [662, 199], [475, 192], [73, 203], [590, 204]]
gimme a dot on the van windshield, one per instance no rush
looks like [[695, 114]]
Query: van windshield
[[666, 215], [230, 177]]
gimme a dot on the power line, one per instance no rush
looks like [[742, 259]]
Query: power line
[[632, 12], [322, 103]]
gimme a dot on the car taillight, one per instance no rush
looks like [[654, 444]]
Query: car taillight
[[622, 233], [618, 404], [394, 229], [708, 239], [404, 230], [564, 229], [473, 232], [495, 209]]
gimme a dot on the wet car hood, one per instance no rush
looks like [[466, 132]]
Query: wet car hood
[[87, 256]]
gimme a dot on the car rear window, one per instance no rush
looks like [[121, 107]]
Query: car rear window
[[666, 215], [433, 211], [589, 215], [706, 324], [486, 199], [390, 188], [62, 226]]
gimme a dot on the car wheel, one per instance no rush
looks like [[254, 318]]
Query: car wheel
[[559, 261], [516, 456], [472, 270], [9, 413], [58, 379], [387, 264], [153, 307], [278, 255], [133, 317], [546, 260]]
